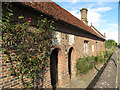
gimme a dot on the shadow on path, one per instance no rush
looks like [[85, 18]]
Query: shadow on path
[[114, 62], [96, 78], [96, 68]]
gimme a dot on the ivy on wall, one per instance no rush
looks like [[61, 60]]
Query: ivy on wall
[[27, 49]]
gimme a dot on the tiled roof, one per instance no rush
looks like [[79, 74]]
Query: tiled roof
[[53, 9]]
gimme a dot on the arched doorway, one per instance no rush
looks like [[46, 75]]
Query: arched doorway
[[54, 68], [70, 62]]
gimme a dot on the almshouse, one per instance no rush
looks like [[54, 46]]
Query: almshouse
[[74, 38]]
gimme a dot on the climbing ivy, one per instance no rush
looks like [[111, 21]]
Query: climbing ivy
[[27, 49]]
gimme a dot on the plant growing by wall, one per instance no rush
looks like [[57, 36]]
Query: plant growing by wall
[[85, 64], [27, 50]]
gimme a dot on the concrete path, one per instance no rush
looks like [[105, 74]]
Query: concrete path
[[84, 80], [108, 77], [106, 80]]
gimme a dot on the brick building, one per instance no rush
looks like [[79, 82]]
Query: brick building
[[74, 38]]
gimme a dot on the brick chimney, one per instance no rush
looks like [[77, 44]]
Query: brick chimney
[[84, 15], [104, 35]]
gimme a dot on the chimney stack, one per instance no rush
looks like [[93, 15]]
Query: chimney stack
[[104, 35], [84, 15]]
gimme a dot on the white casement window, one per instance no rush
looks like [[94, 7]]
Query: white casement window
[[85, 46], [92, 48], [57, 38], [71, 39], [96, 45]]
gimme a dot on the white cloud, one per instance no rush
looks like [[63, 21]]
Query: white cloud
[[100, 3], [91, 6], [94, 18], [76, 13], [102, 9], [112, 35], [94, 15], [111, 32], [74, 1], [112, 27]]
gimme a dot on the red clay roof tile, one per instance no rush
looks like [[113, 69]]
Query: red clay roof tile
[[51, 8]]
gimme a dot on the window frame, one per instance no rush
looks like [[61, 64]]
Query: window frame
[[86, 46]]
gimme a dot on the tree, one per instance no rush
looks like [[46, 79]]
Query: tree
[[110, 43]]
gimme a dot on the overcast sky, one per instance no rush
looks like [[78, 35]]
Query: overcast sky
[[103, 15]]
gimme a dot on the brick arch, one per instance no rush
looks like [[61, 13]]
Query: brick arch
[[56, 55], [71, 52]]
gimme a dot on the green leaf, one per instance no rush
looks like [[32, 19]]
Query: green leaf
[[20, 17], [26, 76], [8, 20], [10, 14], [31, 80], [22, 72], [9, 74], [4, 51]]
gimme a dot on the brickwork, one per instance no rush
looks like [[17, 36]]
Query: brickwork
[[84, 15], [7, 81]]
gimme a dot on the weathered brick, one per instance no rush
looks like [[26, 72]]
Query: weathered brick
[[8, 84], [4, 71], [3, 77], [15, 84], [9, 78], [1, 83]]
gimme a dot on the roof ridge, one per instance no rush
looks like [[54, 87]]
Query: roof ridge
[[97, 31]]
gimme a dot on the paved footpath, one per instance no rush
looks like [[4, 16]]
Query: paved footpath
[[83, 82], [108, 77]]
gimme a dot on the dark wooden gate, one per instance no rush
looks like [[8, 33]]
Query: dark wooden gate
[[69, 62], [54, 68]]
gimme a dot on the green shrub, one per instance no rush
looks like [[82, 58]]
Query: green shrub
[[85, 64]]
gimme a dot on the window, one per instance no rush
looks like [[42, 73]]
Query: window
[[71, 39], [86, 46], [57, 38], [96, 45], [65, 35], [92, 48]]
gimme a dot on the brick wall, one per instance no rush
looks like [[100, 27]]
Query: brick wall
[[7, 81]]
